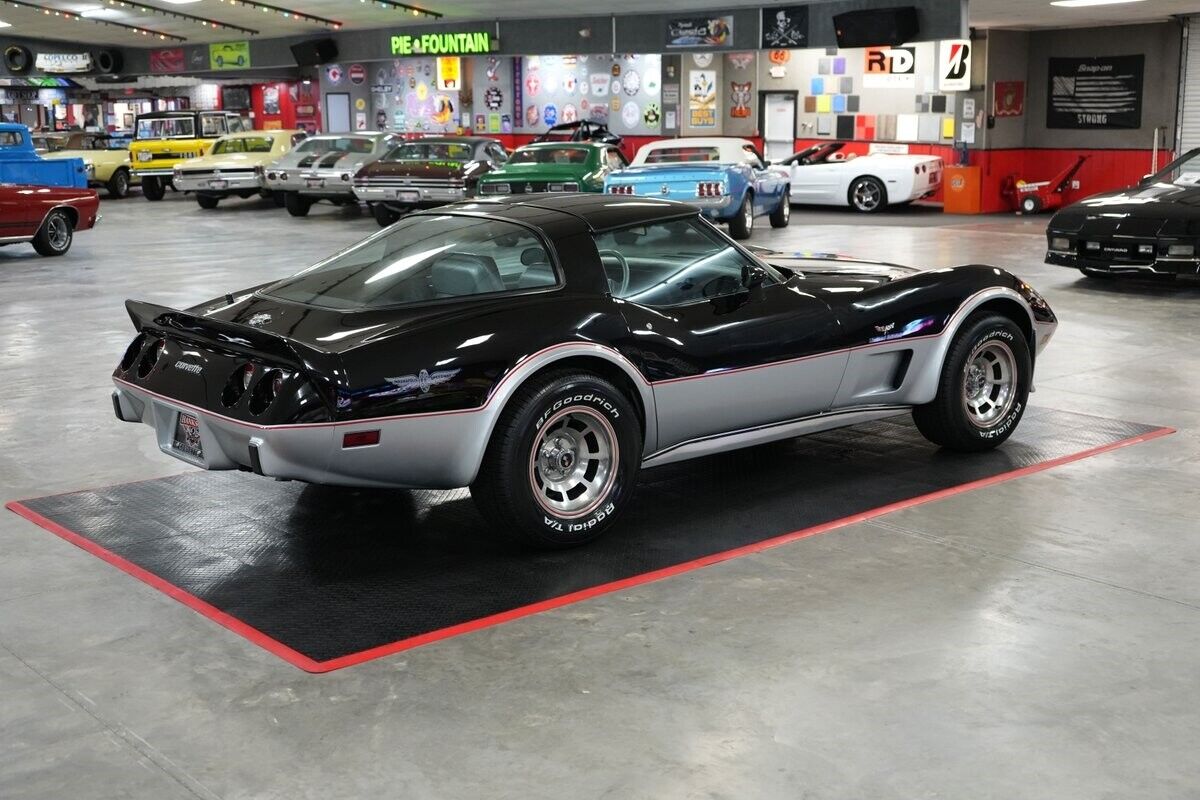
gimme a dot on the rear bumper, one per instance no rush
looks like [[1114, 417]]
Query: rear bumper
[[217, 184], [320, 183], [405, 196], [450, 444]]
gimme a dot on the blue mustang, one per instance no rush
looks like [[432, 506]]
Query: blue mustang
[[726, 178]]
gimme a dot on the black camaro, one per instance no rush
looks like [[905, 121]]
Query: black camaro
[[542, 349], [1149, 229]]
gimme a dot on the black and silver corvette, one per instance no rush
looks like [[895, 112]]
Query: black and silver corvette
[[543, 349], [1152, 228]]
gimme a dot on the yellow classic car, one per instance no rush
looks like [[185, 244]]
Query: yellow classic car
[[163, 140], [235, 166], [105, 155]]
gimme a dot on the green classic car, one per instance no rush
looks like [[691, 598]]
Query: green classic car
[[554, 167]]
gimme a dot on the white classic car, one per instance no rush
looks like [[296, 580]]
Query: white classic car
[[824, 175]]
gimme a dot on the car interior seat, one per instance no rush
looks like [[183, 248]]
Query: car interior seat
[[461, 274]]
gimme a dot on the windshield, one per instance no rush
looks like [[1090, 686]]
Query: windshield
[[671, 155], [249, 144], [1184, 171], [550, 155], [431, 151], [423, 258], [166, 128], [340, 144]]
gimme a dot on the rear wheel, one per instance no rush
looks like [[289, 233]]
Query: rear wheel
[[118, 184], [562, 461], [297, 204], [742, 225], [781, 215], [207, 200], [384, 215], [55, 235], [983, 389], [153, 187], [868, 195]]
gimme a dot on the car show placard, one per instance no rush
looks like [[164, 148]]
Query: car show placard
[[1098, 93], [785, 27], [700, 31]]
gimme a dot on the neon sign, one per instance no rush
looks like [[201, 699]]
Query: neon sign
[[442, 44]]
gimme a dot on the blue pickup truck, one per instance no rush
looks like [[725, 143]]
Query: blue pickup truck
[[20, 163]]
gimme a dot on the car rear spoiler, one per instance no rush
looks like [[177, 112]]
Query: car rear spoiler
[[319, 366]]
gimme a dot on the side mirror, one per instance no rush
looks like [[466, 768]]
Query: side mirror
[[753, 276]]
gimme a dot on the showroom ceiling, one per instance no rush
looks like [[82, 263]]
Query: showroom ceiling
[[31, 18]]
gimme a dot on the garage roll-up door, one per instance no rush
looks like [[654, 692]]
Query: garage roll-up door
[[1189, 94]]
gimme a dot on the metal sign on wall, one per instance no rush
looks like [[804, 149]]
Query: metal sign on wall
[[785, 27], [715, 31], [1104, 92], [64, 62], [954, 65]]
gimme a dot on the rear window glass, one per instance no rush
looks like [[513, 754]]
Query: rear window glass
[[676, 154], [166, 128], [431, 151], [340, 144], [249, 144], [424, 258], [550, 155]]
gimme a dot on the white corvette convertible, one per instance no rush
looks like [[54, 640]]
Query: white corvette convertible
[[824, 175]]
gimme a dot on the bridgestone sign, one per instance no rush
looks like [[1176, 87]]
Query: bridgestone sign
[[430, 44]]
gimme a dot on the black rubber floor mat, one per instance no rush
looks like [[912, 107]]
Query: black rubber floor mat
[[328, 577]]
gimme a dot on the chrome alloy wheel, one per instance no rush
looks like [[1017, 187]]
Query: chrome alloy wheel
[[573, 463], [867, 196], [989, 383], [748, 213], [58, 231]]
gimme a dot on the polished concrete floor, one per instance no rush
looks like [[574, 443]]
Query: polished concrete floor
[[1035, 639]]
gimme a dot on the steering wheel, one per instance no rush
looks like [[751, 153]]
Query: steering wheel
[[620, 289]]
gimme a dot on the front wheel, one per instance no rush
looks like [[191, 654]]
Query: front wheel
[[562, 461], [742, 225], [207, 200], [153, 187], [783, 214], [868, 195], [384, 215], [297, 204], [983, 389], [118, 184], [55, 235]]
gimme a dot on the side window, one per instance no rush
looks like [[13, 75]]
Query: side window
[[236, 124], [211, 125], [10, 139], [297, 138], [751, 156], [615, 159], [497, 153], [670, 263]]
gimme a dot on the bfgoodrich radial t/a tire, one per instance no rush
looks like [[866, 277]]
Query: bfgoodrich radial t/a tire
[[562, 461], [984, 386]]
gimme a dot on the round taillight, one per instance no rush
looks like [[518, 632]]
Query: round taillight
[[247, 376], [238, 383], [150, 358], [131, 352], [266, 391], [270, 176], [283, 176], [346, 176]]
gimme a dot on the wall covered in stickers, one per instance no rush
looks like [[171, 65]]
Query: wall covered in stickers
[[623, 92]]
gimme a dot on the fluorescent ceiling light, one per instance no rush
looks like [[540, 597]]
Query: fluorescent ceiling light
[[180, 2], [96, 11], [1085, 3]]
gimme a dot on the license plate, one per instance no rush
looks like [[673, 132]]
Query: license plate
[[407, 196], [314, 183], [935, 177], [187, 435], [218, 184]]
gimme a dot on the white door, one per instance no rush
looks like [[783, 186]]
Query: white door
[[779, 125], [337, 113]]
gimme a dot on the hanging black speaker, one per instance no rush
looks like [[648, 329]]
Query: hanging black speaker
[[890, 26], [314, 52]]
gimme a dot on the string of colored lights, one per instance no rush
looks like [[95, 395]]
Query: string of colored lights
[[202, 21], [416, 12], [69, 15], [287, 13]]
